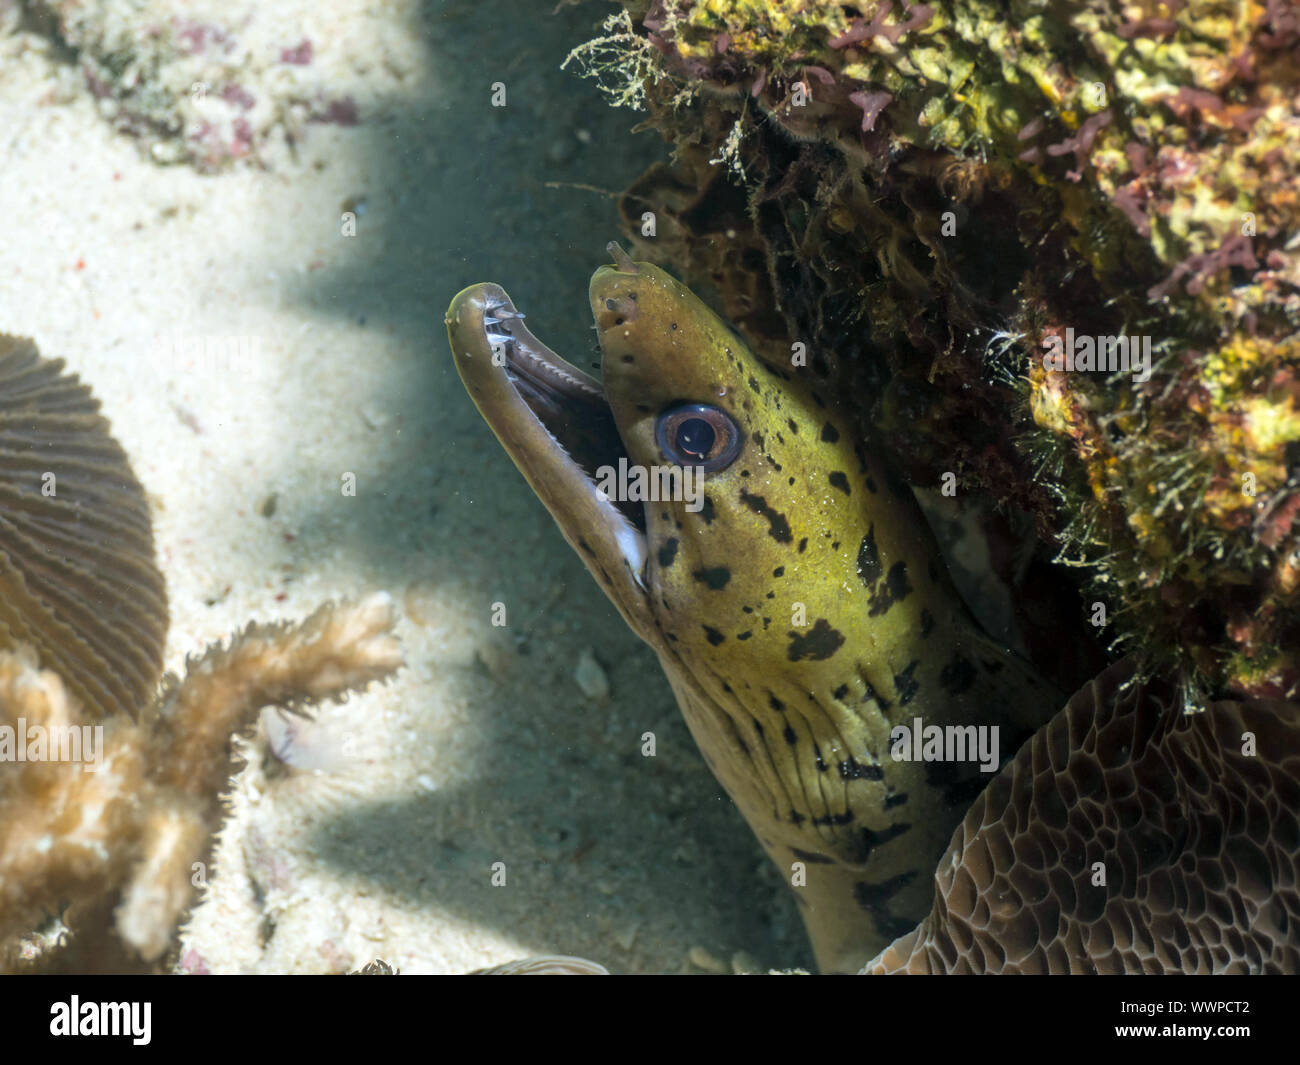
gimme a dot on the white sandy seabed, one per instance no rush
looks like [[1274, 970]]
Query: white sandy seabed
[[380, 840]]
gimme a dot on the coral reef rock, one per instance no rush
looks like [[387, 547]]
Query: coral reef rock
[[1050, 255]]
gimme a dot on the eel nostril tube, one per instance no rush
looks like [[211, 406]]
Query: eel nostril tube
[[622, 261]]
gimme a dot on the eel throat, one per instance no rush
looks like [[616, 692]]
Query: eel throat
[[786, 578]]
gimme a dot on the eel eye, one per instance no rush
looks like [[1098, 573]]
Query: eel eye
[[695, 434]]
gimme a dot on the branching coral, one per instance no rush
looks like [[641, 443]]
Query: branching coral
[[921, 177], [125, 827]]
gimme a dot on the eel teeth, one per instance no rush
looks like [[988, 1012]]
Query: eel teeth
[[497, 337], [500, 312], [494, 315]]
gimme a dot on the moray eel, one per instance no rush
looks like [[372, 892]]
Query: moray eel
[[797, 600]]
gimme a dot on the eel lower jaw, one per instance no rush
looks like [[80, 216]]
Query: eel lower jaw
[[556, 426]]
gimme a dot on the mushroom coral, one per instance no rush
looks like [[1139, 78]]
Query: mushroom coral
[[78, 581]]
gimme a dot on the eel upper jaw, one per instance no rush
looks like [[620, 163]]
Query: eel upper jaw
[[556, 426]]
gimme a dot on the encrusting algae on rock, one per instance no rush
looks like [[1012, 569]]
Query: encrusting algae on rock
[[939, 198]]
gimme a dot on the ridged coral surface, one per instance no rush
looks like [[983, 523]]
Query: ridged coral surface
[[1126, 838], [78, 580]]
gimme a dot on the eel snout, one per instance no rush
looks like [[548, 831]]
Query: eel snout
[[556, 426], [483, 322]]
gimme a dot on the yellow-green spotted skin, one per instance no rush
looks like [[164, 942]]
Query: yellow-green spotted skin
[[800, 613]]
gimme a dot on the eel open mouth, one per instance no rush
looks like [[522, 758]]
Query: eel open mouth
[[569, 403], [557, 427]]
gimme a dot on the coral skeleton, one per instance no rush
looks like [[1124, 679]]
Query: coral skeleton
[[121, 838]]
